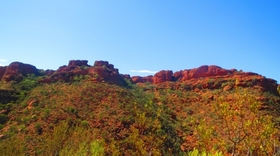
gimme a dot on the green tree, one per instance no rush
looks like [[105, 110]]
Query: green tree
[[241, 128]]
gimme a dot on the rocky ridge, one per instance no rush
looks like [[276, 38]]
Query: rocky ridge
[[210, 77]]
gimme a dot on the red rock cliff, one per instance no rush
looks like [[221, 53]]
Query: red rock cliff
[[17, 69]]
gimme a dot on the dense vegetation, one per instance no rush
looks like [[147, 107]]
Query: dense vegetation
[[89, 118]]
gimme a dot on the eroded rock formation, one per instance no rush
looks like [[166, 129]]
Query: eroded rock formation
[[204, 77], [16, 71]]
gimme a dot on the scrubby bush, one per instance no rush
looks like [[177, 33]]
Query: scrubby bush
[[3, 118], [241, 128]]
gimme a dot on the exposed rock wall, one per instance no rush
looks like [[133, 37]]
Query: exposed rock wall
[[203, 71], [16, 70], [102, 71]]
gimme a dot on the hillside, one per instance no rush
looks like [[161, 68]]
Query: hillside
[[80, 109]]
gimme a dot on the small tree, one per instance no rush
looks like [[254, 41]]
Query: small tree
[[240, 129], [243, 126]]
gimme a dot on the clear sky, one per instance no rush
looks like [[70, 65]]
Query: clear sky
[[147, 35]]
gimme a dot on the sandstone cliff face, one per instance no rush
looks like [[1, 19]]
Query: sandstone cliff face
[[211, 77], [139, 79], [204, 77], [163, 76], [99, 72], [66, 73], [78, 63], [16, 70], [203, 71], [103, 71], [2, 71]]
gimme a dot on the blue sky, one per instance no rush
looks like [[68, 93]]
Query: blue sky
[[147, 35]]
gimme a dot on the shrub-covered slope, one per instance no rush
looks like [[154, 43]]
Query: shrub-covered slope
[[120, 120], [72, 112]]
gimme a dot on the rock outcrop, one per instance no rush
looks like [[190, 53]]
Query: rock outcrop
[[67, 73], [201, 72], [204, 77], [2, 71], [17, 70], [78, 63], [163, 76], [211, 77], [99, 72], [103, 71], [139, 79]]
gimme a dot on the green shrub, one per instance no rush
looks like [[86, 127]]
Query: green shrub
[[46, 113], [38, 128], [3, 118], [196, 152], [85, 124], [241, 129], [12, 146], [72, 110], [1, 126], [79, 78], [28, 82]]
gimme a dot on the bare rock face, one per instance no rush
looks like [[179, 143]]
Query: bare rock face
[[204, 77], [162, 76], [203, 71], [126, 76], [2, 71], [103, 71], [49, 72], [78, 63], [139, 79], [16, 70], [103, 64], [148, 79], [249, 79], [67, 73]]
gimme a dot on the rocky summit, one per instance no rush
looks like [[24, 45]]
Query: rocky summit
[[82, 109], [213, 76]]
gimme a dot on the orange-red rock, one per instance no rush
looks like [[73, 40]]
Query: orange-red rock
[[203, 71], [139, 79], [17, 69], [209, 77], [103, 64], [103, 71], [49, 72], [78, 63], [148, 78], [2, 71], [162, 76], [126, 76]]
